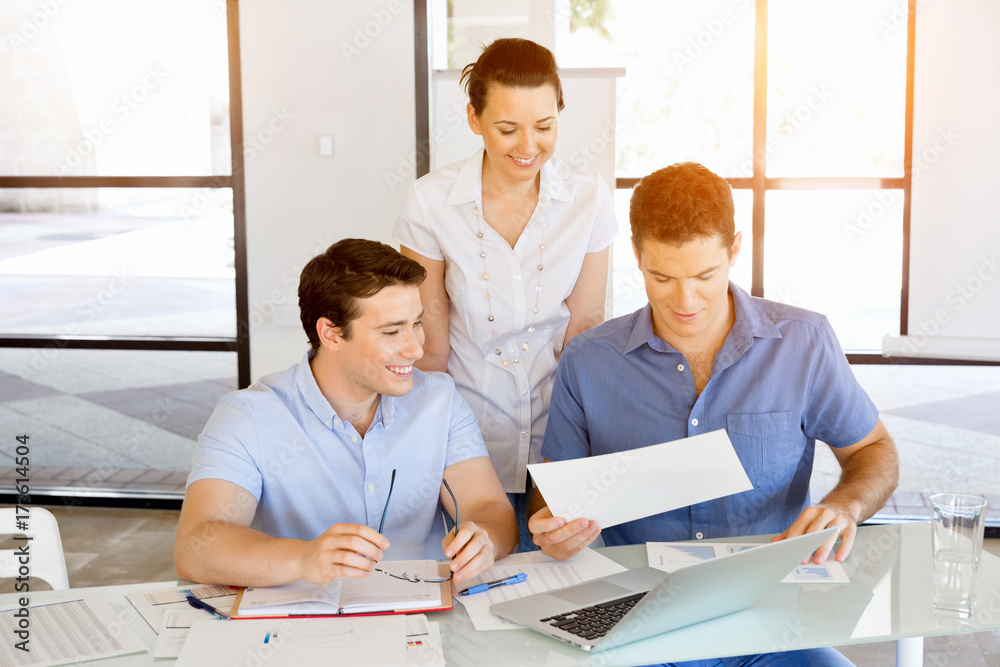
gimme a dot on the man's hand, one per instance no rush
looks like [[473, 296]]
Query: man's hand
[[869, 476], [470, 549], [819, 517], [559, 539], [344, 550]]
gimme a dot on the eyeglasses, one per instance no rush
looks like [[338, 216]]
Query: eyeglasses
[[412, 578]]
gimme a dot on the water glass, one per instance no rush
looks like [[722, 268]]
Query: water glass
[[957, 539]]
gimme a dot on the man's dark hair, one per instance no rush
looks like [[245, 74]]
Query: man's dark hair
[[681, 203], [351, 269]]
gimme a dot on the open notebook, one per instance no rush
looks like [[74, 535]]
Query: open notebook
[[377, 594]]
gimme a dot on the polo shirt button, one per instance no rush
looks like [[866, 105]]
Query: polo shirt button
[[680, 367], [694, 422], [699, 535], [371, 487]]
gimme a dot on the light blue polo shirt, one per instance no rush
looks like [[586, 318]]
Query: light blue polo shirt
[[282, 441], [779, 383]]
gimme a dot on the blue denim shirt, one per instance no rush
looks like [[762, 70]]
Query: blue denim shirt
[[282, 441], [779, 383]]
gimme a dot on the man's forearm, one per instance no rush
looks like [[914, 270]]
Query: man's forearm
[[497, 518], [867, 481], [219, 552]]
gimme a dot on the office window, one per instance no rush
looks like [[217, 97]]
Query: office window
[[118, 262], [121, 214], [108, 88]]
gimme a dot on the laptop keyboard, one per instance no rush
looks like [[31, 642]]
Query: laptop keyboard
[[595, 621]]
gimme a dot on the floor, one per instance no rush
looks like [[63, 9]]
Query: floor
[[119, 546]]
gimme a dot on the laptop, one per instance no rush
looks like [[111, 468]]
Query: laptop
[[633, 605]]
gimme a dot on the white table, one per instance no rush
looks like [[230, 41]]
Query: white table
[[889, 598]]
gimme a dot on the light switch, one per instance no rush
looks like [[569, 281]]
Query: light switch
[[326, 145]]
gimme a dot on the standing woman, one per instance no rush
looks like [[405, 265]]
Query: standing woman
[[516, 247]]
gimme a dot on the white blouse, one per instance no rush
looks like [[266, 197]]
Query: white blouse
[[508, 305]]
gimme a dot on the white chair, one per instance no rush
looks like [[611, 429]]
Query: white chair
[[45, 550]]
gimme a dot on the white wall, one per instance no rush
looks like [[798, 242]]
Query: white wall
[[955, 224], [313, 67]]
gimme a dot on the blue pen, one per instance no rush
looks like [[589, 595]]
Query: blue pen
[[198, 604], [480, 588]]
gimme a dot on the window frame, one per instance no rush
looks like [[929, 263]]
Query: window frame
[[758, 182], [240, 343]]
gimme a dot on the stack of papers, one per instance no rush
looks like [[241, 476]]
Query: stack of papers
[[384, 641], [409, 640], [65, 631]]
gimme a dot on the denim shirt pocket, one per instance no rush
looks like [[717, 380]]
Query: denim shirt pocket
[[761, 440]]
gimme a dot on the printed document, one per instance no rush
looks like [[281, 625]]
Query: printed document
[[67, 631], [544, 574], [359, 641], [615, 488], [670, 556]]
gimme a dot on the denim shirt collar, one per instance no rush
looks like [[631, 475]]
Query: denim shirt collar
[[751, 322]]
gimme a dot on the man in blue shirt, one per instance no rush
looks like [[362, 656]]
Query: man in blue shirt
[[704, 355], [292, 476]]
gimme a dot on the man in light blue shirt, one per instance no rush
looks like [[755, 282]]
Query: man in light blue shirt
[[704, 355], [292, 476]]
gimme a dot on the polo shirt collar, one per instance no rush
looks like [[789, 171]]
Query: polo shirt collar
[[305, 381], [309, 389], [468, 185]]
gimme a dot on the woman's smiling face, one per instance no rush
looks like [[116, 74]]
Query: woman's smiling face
[[519, 127]]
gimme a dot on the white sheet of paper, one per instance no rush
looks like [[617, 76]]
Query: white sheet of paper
[[373, 641], [670, 556], [544, 574], [625, 486], [69, 631]]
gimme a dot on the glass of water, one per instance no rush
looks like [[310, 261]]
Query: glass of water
[[957, 530]]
